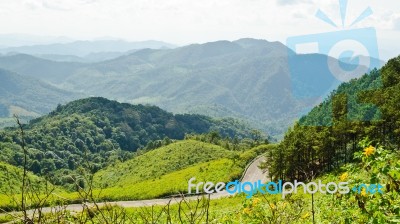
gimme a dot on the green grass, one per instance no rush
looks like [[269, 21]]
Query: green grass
[[166, 171], [11, 178], [161, 161], [222, 170], [294, 208], [11, 184], [221, 210], [4, 218], [157, 173], [329, 208]]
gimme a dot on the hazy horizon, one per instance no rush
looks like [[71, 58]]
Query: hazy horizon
[[184, 22]]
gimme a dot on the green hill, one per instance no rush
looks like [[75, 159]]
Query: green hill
[[11, 178], [161, 161], [101, 132], [166, 170], [327, 137], [173, 183]]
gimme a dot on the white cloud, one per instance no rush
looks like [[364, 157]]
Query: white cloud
[[184, 21], [292, 2], [62, 5], [33, 5], [394, 20], [396, 24]]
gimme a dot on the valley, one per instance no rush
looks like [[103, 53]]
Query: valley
[[247, 79], [96, 157], [199, 112]]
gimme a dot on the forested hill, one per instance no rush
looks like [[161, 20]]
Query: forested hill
[[142, 123], [327, 136], [101, 131]]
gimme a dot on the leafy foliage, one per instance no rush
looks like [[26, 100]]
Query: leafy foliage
[[102, 132], [327, 137]]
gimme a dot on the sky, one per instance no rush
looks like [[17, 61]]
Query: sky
[[184, 22]]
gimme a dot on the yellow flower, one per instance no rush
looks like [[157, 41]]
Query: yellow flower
[[344, 176], [272, 206], [256, 201], [306, 215], [247, 211], [369, 151], [363, 192]]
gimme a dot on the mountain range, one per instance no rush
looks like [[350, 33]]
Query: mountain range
[[247, 79], [84, 48]]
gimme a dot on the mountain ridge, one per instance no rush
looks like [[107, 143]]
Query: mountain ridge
[[29, 94], [248, 79], [84, 48]]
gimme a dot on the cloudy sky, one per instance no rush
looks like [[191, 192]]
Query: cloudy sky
[[192, 21]]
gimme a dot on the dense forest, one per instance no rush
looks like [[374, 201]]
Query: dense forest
[[327, 137], [102, 131]]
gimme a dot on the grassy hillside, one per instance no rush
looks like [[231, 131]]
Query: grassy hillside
[[355, 207], [160, 172], [159, 162], [172, 183], [11, 178], [166, 170]]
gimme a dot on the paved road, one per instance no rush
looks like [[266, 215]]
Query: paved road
[[252, 174]]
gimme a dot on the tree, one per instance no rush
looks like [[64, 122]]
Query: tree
[[256, 136], [35, 167]]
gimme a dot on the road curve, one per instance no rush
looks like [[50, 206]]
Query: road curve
[[252, 173]]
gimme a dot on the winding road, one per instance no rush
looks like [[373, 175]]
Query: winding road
[[252, 174]]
